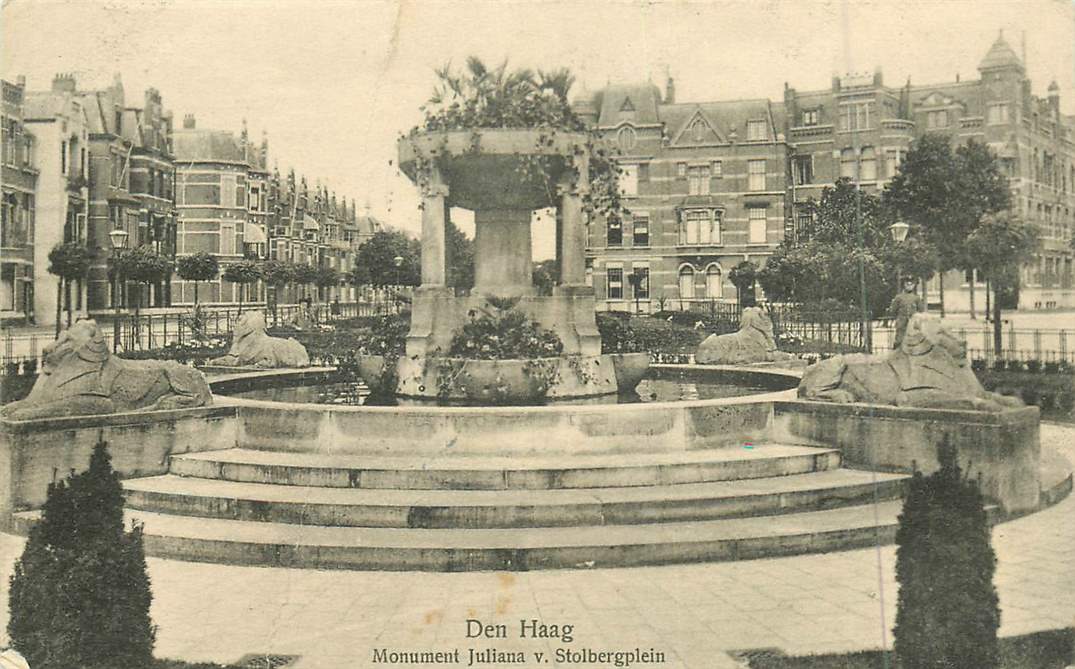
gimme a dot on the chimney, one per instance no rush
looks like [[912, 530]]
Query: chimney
[[670, 91], [63, 83], [188, 122], [20, 81], [1054, 98]]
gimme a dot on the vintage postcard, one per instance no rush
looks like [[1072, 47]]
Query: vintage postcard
[[362, 334]]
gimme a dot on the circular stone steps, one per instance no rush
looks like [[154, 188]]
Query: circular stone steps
[[504, 473], [517, 549], [359, 507]]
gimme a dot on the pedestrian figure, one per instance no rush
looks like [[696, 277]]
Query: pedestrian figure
[[905, 305]]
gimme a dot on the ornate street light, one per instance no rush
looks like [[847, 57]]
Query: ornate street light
[[118, 239], [398, 261], [899, 231]]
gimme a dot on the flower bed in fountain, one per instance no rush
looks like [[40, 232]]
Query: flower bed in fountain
[[501, 357]]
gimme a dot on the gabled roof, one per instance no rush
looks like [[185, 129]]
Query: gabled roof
[[1000, 55], [640, 101], [686, 134], [207, 146], [721, 116]]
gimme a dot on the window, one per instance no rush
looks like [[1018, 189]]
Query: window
[[615, 231], [805, 222], [998, 114], [756, 170], [227, 190], [641, 287], [686, 282], [615, 283], [756, 131], [699, 226], [681, 170], [240, 195], [869, 164], [855, 116], [713, 287], [937, 119], [63, 158], [641, 231], [698, 180], [810, 117], [9, 141], [626, 138], [717, 169], [628, 179], [847, 164], [698, 130], [757, 225], [803, 168], [198, 194], [643, 172], [893, 158], [227, 238]]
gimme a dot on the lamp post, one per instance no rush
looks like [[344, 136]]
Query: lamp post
[[898, 230], [398, 262], [118, 238], [635, 279]]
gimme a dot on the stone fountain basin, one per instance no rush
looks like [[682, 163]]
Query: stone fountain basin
[[510, 381], [494, 168]]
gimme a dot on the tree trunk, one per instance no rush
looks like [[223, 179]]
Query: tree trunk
[[973, 276], [59, 305], [940, 284], [241, 285], [987, 304], [67, 300], [195, 294]]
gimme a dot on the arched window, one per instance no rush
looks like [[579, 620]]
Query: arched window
[[713, 287], [869, 164], [626, 138], [847, 163], [686, 282], [698, 130]]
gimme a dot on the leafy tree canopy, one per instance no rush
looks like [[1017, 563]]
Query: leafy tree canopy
[[143, 265], [70, 261], [199, 266], [242, 272], [327, 276], [375, 264], [277, 273]]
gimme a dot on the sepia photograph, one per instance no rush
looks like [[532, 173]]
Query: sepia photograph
[[684, 334]]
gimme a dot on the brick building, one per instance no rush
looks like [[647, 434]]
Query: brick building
[[689, 164], [61, 133], [18, 188]]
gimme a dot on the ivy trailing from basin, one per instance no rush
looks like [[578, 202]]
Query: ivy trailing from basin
[[499, 331]]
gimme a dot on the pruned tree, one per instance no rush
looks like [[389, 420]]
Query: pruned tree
[[68, 262], [376, 265], [242, 273], [277, 274], [197, 267], [144, 266], [743, 277], [1000, 246]]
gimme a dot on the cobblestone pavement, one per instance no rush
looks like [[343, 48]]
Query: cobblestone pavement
[[693, 614]]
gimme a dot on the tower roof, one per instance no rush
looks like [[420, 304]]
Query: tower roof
[[1000, 54]]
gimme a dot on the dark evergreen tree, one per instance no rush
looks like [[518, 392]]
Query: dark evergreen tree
[[947, 614], [80, 594]]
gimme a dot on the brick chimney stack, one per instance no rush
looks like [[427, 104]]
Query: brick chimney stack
[[63, 83], [670, 91], [188, 122]]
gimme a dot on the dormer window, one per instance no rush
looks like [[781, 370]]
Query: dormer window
[[757, 131], [626, 138], [811, 117], [698, 130]]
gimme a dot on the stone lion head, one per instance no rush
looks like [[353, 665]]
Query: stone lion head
[[251, 322], [926, 334], [82, 341]]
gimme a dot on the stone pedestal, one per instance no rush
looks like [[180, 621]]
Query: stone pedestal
[[502, 253]]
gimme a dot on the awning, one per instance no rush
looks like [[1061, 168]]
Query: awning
[[310, 223], [253, 234]]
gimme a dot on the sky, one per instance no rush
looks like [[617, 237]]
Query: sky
[[334, 83]]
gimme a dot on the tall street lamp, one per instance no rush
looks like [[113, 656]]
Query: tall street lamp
[[398, 262], [118, 238], [898, 230]]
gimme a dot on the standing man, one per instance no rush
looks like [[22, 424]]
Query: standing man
[[904, 305]]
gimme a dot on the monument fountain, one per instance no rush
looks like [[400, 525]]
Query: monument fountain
[[514, 480]]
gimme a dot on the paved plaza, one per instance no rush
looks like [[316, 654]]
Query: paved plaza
[[691, 613]]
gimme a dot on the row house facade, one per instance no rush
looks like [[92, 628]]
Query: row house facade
[[704, 187], [61, 145], [698, 162], [18, 188]]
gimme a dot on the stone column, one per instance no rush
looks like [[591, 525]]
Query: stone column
[[571, 242], [434, 203]]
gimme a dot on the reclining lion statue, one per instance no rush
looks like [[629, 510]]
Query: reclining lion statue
[[928, 370], [251, 346], [80, 376], [754, 342]]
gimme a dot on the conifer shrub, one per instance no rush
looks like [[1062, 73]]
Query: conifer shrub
[[80, 594], [947, 614]]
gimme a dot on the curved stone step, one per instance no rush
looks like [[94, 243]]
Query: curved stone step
[[504, 473], [358, 507], [309, 546]]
